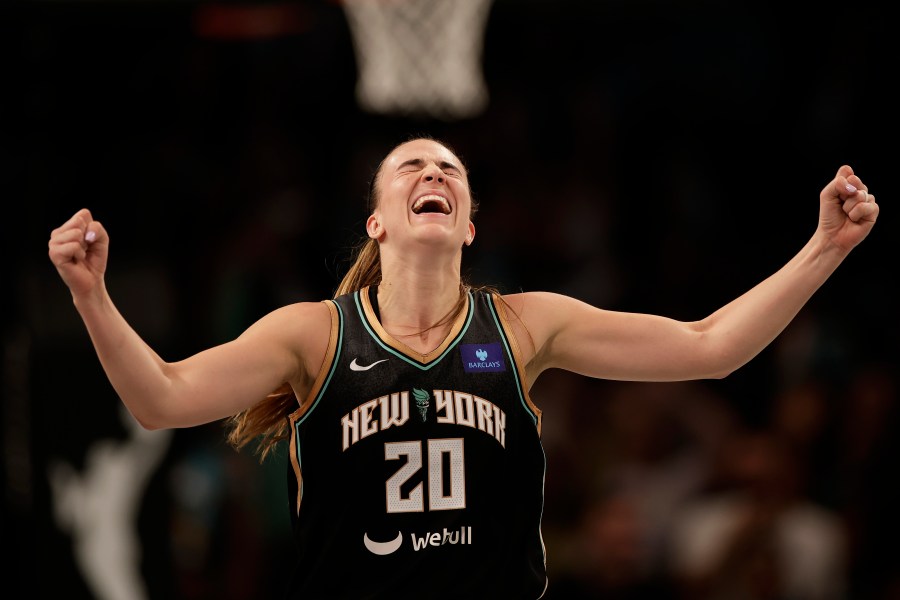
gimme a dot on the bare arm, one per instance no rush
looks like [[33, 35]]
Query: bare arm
[[568, 334], [286, 345]]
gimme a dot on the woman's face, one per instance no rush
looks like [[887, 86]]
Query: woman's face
[[423, 198]]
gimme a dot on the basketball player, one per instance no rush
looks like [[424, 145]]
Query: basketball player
[[417, 467]]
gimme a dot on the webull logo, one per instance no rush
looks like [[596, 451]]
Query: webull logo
[[461, 536]]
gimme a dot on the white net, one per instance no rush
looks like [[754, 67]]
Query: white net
[[420, 57]]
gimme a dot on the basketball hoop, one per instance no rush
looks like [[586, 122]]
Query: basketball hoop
[[419, 57]]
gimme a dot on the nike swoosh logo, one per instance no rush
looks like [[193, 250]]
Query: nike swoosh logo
[[383, 548], [355, 366]]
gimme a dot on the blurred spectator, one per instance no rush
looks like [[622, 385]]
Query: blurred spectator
[[664, 439], [869, 447], [609, 560], [640, 450], [754, 535], [804, 413]]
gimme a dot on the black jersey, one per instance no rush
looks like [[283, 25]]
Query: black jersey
[[418, 476]]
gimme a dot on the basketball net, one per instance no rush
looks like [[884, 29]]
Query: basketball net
[[419, 57]]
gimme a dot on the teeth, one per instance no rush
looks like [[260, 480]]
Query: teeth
[[421, 202]]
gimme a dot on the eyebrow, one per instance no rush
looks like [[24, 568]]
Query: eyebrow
[[420, 162]]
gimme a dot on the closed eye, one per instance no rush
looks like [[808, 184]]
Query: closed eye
[[417, 164]]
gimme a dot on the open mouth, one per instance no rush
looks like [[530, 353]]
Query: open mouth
[[431, 203]]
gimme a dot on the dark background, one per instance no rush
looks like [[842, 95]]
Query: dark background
[[643, 156]]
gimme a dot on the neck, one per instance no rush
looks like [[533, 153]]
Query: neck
[[418, 292], [418, 289], [414, 298]]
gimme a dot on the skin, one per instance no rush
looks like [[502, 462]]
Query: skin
[[421, 257]]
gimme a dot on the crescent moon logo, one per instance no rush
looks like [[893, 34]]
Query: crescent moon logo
[[383, 548]]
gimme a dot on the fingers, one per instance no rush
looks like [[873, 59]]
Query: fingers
[[853, 195], [69, 242], [81, 219], [847, 185], [861, 208], [67, 247], [845, 171], [77, 222]]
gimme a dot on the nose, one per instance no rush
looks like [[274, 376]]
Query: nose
[[432, 172]]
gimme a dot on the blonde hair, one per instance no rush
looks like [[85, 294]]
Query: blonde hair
[[266, 421]]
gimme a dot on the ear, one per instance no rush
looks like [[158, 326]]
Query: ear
[[470, 236], [374, 227]]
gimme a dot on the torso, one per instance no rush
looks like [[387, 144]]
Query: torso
[[418, 475]]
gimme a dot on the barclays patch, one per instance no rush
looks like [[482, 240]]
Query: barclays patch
[[482, 358]]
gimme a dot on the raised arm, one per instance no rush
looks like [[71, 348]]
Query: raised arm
[[286, 345], [559, 332]]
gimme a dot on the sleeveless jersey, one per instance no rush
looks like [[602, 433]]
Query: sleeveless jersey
[[418, 476]]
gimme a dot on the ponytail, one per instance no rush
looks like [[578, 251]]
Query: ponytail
[[265, 420], [365, 270]]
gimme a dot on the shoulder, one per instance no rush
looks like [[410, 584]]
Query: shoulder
[[304, 327], [300, 314], [535, 308], [538, 318], [522, 300], [530, 316], [303, 330]]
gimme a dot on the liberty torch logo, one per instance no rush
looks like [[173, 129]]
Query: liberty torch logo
[[421, 397]]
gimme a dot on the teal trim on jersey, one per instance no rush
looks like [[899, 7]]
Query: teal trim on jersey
[[400, 355], [512, 358], [334, 362]]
